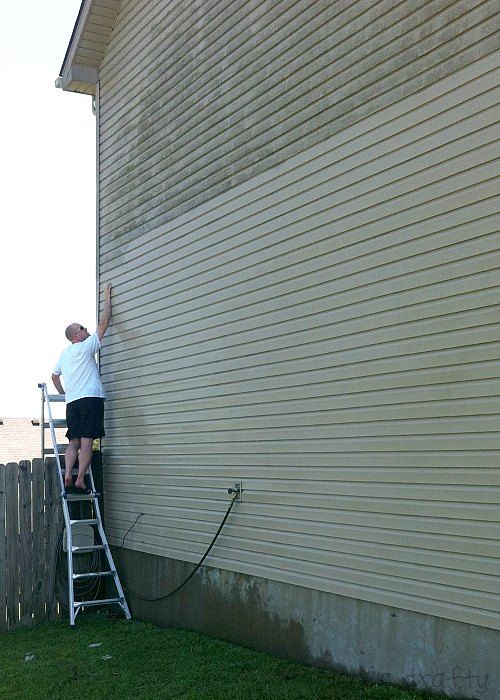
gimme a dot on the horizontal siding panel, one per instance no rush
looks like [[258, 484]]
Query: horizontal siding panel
[[380, 229], [151, 216], [342, 349], [314, 277], [216, 32], [229, 231], [452, 566], [420, 339], [309, 69], [411, 321], [365, 444], [433, 26], [333, 392], [478, 554], [458, 570], [145, 208], [326, 330], [407, 528], [233, 418], [483, 601], [332, 275], [350, 295], [399, 475], [312, 427], [187, 283], [434, 110], [185, 31], [295, 388], [330, 287], [174, 487], [382, 373], [330, 412], [437, 376], [449, 461], [293, 398], [281, 27], [306, 502], [455, 10]]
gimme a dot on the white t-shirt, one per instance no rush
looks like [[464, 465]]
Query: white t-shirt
[[79, 369]]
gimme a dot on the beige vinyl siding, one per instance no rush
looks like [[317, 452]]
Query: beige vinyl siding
[[197, 97], [327, 333]]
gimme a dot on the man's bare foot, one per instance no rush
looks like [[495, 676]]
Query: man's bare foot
[[80, 484], [68, 484]]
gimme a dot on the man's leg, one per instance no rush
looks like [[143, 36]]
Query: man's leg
[[70, 457], [84, 459]]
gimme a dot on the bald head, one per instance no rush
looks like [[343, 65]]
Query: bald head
[[76, 333], [71, 331]]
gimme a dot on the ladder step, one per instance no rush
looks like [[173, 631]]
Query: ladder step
[[89, 521], [87, 548], [94, 574], [57, 423], [50, 450], [56, 397], [80, 496], [104, 601]]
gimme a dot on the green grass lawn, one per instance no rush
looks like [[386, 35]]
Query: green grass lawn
[[102, 658]]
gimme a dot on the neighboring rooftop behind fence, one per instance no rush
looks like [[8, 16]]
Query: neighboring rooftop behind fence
[[20, 439]]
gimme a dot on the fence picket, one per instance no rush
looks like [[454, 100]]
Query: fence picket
[[25, 543], [54, 524], [39, 544], [12, 536], [3, 552]]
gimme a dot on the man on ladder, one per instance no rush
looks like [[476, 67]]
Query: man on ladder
[[84, 393]]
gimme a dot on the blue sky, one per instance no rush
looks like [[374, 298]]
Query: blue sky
[[47, 200]]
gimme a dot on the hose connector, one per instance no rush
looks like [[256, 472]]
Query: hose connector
[[237, 491]]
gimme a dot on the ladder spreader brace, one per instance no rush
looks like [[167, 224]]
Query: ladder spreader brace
[[96, 522]]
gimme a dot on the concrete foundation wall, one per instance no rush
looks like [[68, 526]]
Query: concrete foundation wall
[[323, 629]]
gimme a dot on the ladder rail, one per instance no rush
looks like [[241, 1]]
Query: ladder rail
[[107, 549], [42, 423], [109, 556], [52, 435]]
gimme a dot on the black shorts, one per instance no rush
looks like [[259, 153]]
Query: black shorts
[[85, 418]]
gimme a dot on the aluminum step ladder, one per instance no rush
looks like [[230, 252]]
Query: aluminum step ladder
[[101, 548]]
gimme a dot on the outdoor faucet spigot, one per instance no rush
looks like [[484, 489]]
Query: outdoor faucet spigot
[[236, 491]]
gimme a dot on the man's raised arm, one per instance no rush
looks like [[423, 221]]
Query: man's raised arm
[[106, 312]]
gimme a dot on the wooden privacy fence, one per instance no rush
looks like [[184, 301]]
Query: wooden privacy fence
[[31, 526]]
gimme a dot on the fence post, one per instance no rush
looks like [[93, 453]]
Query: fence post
[[3, 552], [53, 531], [25, 542], [39, 544], [12, 536]]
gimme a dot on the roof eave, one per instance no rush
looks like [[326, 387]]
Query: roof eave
[[80, 69], [67, 79], [78, 78]]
